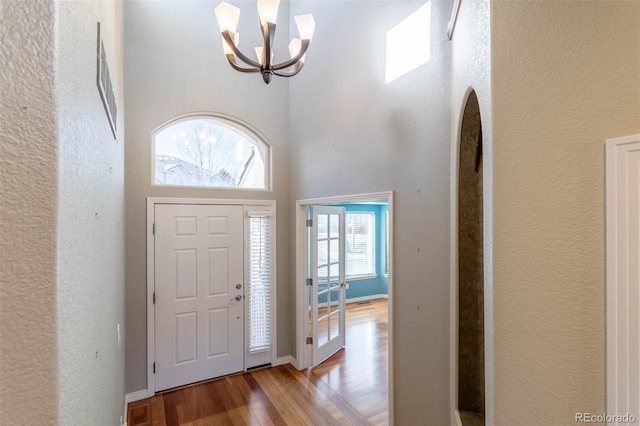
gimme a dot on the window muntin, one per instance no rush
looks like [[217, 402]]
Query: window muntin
[[360, 244], [210, 151]]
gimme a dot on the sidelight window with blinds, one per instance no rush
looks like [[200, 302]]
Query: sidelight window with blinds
[[260, 277]]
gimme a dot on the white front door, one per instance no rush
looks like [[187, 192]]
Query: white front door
[[328, 282], [198, 293]]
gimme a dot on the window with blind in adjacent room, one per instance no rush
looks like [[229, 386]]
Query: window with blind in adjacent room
[[360, 248]]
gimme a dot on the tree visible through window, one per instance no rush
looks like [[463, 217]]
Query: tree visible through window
[[210, 151]]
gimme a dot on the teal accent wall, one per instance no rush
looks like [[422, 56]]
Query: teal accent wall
[[380, 284]]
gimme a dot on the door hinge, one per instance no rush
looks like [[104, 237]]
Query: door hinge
[[309, 282], [154, 229], [154, 368], [309, 223], [309, 341], [154, 298]]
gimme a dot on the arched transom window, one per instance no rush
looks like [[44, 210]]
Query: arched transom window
[[211, 151]]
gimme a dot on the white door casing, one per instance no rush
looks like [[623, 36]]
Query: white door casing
[[328, 289], [199, 331], [303, 350], [623, 278]]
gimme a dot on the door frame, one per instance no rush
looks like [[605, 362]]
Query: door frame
[[303, 352], [619, 259], [151, 203]]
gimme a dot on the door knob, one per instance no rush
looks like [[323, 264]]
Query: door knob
[[237, 298]]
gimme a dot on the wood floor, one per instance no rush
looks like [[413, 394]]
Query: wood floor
[[350, 388]]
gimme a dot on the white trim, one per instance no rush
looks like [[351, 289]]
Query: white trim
[[453, 271], [259, 213], [237, 124], [458, 420], [208, 201], [622, 301], [270, 212], [151, 202], [151, 353], [296, 364], [361, 277], [231, 189], [355, 300], [132, 397], [373, 197], [283, 360], [367, 298], [302, 350], [136, 396]]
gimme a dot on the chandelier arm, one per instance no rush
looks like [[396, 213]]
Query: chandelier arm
[[295, 71], [235, 66], [268, 33], [303, 49], [227, 38]]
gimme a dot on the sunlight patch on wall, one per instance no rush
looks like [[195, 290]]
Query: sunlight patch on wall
[[409, 44]]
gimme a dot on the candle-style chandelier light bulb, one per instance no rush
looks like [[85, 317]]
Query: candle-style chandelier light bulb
[[228, 17]]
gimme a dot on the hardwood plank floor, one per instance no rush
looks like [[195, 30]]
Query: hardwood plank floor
[[349, 388]]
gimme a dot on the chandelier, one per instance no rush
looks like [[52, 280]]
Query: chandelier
[[228, 17]]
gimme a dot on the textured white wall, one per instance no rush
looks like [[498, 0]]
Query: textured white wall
[[62, 267], [28, 194], [175, 65], [90, 293], [470, 70], [351, 133], [565, 76]]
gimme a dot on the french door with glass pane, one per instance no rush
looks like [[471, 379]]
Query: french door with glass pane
[[327, 290]]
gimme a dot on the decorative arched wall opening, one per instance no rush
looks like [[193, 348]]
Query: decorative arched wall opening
[[471, 371]]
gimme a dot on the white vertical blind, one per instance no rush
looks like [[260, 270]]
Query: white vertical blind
[[259, 282], [360, 239]]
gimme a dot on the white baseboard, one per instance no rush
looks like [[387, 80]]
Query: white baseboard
[[298, 365], [283, 360], [355, 300], [456, 413], [136, 396], [132, 397], [367, 298]]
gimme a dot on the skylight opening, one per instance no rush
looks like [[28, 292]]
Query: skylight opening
[[409, 44]]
